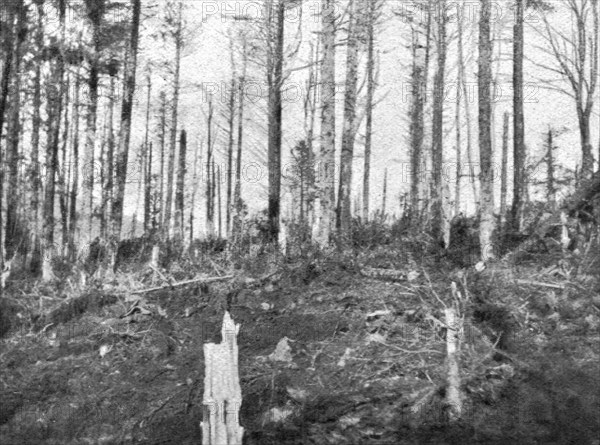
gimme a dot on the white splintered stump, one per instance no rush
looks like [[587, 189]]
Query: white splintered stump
[[283, 237], [453, 399], [564, 235], [222, 391], [155, 256]]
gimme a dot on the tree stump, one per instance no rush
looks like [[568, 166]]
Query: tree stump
[[222, 391], [453, 396]]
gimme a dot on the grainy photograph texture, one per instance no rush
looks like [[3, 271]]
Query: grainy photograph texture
[[228, 222]]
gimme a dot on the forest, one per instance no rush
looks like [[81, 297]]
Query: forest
[[393, 206]]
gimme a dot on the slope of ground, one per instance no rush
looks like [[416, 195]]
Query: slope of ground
[[367, 355]]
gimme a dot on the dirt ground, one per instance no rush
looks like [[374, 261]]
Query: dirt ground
[[108, 367]]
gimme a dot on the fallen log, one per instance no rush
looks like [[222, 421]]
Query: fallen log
[[385, 274], [184, 283]]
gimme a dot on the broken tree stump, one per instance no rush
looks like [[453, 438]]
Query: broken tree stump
[[453, 396], [222, 391]]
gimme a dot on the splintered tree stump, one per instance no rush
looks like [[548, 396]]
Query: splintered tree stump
[[453, 396], [222, 391]]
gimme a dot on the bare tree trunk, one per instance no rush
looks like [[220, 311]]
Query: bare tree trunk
[[324, 207], [63, 171], [231, 122], [209, 182], [179, 193], [12, 237], [103, 178], [310, 111], [213, 191], [459, 166], [162, 129], [504, 172], [437, 148], [420, 69], [426, 185], [197, 167], [587, 159], [384, 199], [125, 131], [173, 142], [550, 180], [275, 83], [147, 168], [7, 40], [219, 202], [7, 66], [486, 225], [107, 192], [140, 187], [369, 105], [344, 215], [148, 191], [518, 119], [34, 171], [237, 194], [55, 96], [464, 90], [75, 179], [95, 12]]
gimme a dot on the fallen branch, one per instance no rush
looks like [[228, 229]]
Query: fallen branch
[[255, 282], [183, 283], [538, 283], [161, 275], [384, 274]]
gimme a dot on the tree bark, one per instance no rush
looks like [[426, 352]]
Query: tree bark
[[177, 35], [504, 173], [420, 68], [384, 198], [34, 171], [518, 118], [550, 179], [209, 182], [162, 129], [179, 193], [459, 166], [7, 38], [369, 106], [55, 95], [310, 115], [12, 230], [95, 11], [64, 170], [125, 130], [75, 180], [7, 67], [231, 123], [344, 214], [219, 206], [237, 194], [108, 183], [197, 167], [486, 225], [437, 148], [464, 91], [324, 206], [275, 83], [147, 170]]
